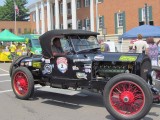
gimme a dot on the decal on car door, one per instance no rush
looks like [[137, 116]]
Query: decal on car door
[[62, 64]]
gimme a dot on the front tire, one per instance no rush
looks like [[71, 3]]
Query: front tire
[[22, 83], [127, 97]]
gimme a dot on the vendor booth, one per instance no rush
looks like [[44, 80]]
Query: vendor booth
[[7, 36]]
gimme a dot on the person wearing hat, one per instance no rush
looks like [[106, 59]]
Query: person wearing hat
[[24, 49], [13, 49]]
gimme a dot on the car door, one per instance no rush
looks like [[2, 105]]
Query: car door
[[63, 64]]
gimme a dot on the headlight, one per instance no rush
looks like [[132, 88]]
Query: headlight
[[153, 74]]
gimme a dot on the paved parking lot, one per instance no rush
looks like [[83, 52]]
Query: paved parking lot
[[47, 104]]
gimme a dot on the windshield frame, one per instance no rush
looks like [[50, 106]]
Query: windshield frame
[[80, 39]]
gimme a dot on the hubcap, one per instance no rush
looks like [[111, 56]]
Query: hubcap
[[127, 97]]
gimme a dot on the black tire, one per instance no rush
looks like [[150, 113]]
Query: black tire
[[12, 67], [22, 83], [127, 86]]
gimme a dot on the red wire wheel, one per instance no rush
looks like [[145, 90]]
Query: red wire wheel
[[127, 96], [22, 83]]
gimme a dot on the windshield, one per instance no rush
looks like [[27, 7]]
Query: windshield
[[81, 43], [35, 43]]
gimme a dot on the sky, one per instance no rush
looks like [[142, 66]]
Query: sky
[[2, 2]]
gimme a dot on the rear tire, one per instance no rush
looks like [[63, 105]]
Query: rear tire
[[127, 97], [22, 83]]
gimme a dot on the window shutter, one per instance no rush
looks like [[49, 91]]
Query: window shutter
[[103, 25], [84, 3], [81, 24], [150, 13], [85, 23], [124, 22], [115, 22], [140, 14]]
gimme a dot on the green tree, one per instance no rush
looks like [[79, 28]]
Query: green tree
[[7, 12]]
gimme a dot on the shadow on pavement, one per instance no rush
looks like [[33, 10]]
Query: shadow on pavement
[[109, 117], [71, 102]]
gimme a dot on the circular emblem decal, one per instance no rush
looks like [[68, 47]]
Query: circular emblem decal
[[62, 64], [47, 69]]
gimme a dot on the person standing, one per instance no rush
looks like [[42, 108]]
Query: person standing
[[153, 51], [13, 50], [1, 47], [140, 46], [104, 47]]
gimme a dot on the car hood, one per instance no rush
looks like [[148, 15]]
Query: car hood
[[125, 57]]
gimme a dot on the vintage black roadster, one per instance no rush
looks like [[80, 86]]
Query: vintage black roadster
[[122, 78]]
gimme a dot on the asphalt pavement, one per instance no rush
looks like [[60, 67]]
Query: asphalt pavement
[[54, 104]]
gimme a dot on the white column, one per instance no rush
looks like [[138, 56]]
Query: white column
[[43, 19], [92, 15], [57, 14], [74, 15], [65, 26], [49, 15], [37, 18]]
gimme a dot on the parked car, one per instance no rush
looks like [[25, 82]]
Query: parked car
[[122, 78], [33, 44]]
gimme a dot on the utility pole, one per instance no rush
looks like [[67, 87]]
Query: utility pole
[[146, 13]]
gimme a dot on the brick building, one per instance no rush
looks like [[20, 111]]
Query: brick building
[[117, 16], [21, 26]]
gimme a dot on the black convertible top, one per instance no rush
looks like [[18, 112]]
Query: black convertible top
[[45, 39], [53, 33]]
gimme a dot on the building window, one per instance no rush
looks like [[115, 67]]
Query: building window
[[69, 8], [144, 14], [101, 21], [25, 30], [87, 3], [19, 30], [79, 24], [34, 17], [61, 26], [120, 19], [53, 9], [78, 3], [11, 30], [87, 24], [61, 8], [100, 1]]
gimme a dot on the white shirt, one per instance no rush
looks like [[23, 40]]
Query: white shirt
[[140, 45]]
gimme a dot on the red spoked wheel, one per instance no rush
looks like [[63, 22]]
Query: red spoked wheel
[[22, 83], [127, 96]]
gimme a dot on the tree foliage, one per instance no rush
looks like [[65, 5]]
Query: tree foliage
[[7, 12]]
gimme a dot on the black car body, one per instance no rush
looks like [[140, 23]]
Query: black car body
[[85, 66]]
